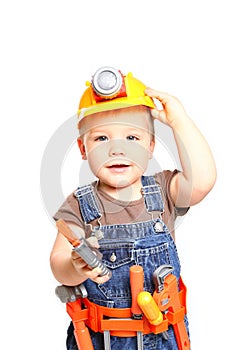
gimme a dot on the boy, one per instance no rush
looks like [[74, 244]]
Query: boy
[[128, 216]]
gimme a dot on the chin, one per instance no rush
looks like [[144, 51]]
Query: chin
[[121, 181]]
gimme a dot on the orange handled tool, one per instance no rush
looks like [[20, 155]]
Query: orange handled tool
[[136, 276], [82, 247], [72, 296], [168, 300], [82, 336], [81, 332], [66, 231]]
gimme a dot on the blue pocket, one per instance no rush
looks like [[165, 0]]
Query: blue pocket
[[116, 254]]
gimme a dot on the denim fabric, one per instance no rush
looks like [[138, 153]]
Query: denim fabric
[[148, 244], [88, 204], [152, 194], [132, 244], [150, 341]]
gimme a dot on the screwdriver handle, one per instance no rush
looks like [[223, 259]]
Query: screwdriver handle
[[136, 284], [66, 231], [150, 308]]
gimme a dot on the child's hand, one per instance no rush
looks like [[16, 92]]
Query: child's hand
[[172, 110], [85, 271]]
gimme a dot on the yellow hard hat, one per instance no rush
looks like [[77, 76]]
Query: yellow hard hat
[[109, 89]]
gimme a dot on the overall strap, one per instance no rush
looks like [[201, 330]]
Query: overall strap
[[90, 209], [152, 194], [88, 204]]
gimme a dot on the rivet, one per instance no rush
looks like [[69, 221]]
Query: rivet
[[113, 257], [158, 226]]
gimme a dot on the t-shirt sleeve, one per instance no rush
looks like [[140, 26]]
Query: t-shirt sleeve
[[164, 179], [70, 212]]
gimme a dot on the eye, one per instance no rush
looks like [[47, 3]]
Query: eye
[[132, 138], [101, 138]]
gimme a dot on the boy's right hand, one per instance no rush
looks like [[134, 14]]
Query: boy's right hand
[[85, 271], [172, 109]]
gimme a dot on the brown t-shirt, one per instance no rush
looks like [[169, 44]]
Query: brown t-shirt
[[120, 212]]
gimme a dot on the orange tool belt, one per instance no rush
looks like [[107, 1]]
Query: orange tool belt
[[119, 322]]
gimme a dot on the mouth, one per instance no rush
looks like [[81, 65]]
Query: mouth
[[118, 167]]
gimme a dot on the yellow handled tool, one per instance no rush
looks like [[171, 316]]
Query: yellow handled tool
[[150, 308]]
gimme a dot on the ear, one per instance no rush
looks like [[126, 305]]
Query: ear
[[151, 148], [82, 149]]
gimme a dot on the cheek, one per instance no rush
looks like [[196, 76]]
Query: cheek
[[97, 157], [138, 154]]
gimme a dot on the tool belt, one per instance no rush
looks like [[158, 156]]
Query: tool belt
[[119, 321], [148, 314]]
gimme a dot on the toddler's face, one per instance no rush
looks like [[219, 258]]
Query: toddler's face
[[118, 145]]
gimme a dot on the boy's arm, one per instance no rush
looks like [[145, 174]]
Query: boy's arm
[[198, 174], [67, 266]]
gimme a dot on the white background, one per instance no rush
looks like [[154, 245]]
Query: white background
[[48, 50]]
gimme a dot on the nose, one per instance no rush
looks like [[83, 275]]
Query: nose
[[116, 148]]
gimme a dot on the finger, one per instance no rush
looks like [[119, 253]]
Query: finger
[[164, 98], [94, 275], [78, 261], [95, 272], [101, 279], [75, 255], [157, 114], [81, 266], [160, 95], [93, 241]]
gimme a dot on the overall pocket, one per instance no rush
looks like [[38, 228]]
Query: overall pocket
[[118, 256], [150, 259]]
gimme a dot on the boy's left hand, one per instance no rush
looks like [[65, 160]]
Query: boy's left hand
[[172, 111]]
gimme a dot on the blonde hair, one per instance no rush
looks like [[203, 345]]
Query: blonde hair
[[84, 124]]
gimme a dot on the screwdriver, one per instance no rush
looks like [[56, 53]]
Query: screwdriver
[[82, 247], [136, 276], [150, 308]]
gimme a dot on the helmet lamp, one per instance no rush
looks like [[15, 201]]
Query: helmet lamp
[[107, 82]]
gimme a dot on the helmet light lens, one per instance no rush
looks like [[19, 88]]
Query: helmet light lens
[[107, 82]]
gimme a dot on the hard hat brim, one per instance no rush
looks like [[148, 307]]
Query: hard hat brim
[[116, 104]]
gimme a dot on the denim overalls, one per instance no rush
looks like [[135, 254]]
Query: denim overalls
[[148, 244]]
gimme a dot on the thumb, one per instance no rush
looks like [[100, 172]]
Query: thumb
[[158, 114], [93, 242], [155, 113]]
